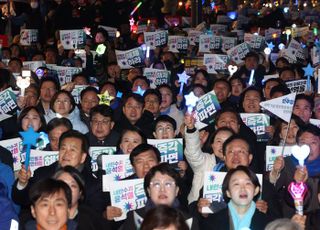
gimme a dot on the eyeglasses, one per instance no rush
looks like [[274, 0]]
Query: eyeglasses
[[166, 184], [102, 122], [164, 129], [62, 102]]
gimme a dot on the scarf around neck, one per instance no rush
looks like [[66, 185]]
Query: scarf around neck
[[245, 221]]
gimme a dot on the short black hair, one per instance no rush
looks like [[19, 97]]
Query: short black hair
[[49, 187], [286, 68], [243, 94], [153, 92], [225, 81], [282, 88], [56, 122], [307, 98], [227, 110], [80, 75], [103, 110], [51, 79], [88, 89], [252, 54], [165, 169], [143, 148], [16, 60], [165, 118], [135, 97], [239, 78], [253, 177], [283, 59], [141, 78], [278, 80], [308, 128], [78, 135], [233, 138]]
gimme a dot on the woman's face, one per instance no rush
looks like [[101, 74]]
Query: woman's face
[[292, 132], [75, 189], [99, 38], [129, 141], [236, 87], [62, 105], [200, 79], [162, 189], [218, 141], [198, 92], [251, 102], [166, 96], [31, 119], [241, 190]]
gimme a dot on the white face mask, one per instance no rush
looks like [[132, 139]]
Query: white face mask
[[34, 5]]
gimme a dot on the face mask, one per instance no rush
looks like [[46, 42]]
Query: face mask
[[34, 5]]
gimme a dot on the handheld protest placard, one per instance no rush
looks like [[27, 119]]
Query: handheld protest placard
[[183, 79], [29, 139]]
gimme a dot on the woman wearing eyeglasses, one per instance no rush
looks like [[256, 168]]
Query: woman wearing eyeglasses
[[161, 185]]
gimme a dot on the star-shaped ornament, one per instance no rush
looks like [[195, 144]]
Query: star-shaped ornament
[[139, 91], [308, 71], [183, 77], [191, 101], [270, 45], [29, 137], [105, 98]]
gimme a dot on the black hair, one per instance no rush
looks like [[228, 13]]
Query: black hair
[[76, 175], [278, 80], [252, 54], [252, 176], [143, 148], [153, 92], [165, 118], [88, 89], [207, 147], [143, 78], [239, 78], [283, 59], [308, 128], [103, 110], [135, 130], [56, 122], [24, 113], [282, 88], [134, 96], [5, 77], [307, 98], [77, 135], [103, 32], [48, 187], [233, 138], [225, 81], [286, 68], [108, 83], [80, 75], [165, 169], [51, 79], [243, 94], [227, 110], [56, 95], [16, 60]]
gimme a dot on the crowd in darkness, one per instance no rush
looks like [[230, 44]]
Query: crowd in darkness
[[68, 194]]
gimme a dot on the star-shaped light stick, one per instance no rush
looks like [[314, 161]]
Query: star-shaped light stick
[[139, 91], [29, 139], [191, 101], [183, 79], [308, 71], [105, 98]]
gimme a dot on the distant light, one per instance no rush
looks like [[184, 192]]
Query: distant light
[[281, 46], [232, 15], [305, 4], [267, 51], [180, 4], [286, 10], [294, 26], [288, 32], [118, 34]]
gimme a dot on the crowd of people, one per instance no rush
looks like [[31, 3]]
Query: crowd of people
[[68, 194]]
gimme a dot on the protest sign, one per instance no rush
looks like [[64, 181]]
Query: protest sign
[[33, 65], [289, 55], [281, 107], [157, 76], [127, 195], [171, 150], [315, 56], [8, 104], [272, 152], [299, 31], [212, 189], [255, 41], [77, 91], [297, 86], [218, 29], [72, 39], [315, 122], [112, 31], [215, 62], [295, 49], [257, 122], [271, 34], [178, 44], [15, 146], [157, 38], [28, 36], [193, 36], [190, 64], [206, 106], [116, 167], [209, 42], [96, 151], [40, 158], [130, 58], [64, 73], [240, 34], [238, 52], [228, 43]]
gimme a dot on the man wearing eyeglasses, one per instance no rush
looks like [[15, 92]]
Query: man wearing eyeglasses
[[101, 125]]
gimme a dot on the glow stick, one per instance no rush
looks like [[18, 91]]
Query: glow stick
[[148, 52], [135, 9], [251, 77]]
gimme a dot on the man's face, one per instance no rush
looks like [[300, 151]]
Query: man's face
[[144, 162], [251, 63], [70, 152], [139, 82], [88, 101], [114, 71], [48, 89], [132, 110], [54, 136], [237, 153], [251, 102], [164, 130], [302, 109], [222, 91], [268, 88], [287, 75], [51, 212], [313, 142], [228, 119], [152, 104], [101, 126]]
